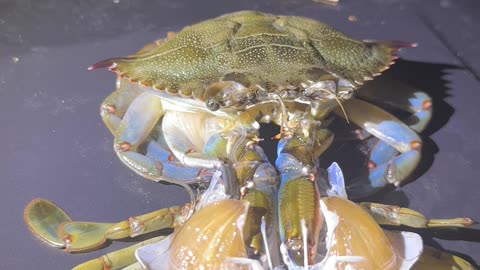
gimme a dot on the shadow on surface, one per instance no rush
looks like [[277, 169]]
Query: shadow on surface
[[429, 78], [352, 154]]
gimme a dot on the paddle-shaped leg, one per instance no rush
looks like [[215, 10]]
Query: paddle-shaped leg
[[51, 224]]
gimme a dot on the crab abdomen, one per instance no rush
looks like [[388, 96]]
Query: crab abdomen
[[253, 48]]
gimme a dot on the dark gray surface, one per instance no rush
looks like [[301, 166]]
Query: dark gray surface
[[56, 147]]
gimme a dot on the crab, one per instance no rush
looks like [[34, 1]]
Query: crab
[[248, 63], [187, 110]]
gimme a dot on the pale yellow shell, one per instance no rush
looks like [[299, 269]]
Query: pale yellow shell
[[210, 237], [357, 234]]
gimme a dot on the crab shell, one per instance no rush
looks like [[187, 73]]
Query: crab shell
[[253, 49], [205, 241], [355, 241]]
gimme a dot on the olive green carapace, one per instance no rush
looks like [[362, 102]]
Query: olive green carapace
[[254, 48]]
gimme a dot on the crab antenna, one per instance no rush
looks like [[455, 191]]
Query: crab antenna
[[263, 230], [339, 103]]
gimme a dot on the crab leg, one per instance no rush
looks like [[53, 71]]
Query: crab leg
[[435, 259], [260, 190], [117, 259], [116, 104], [206, 140], [172, 169], [43, 219], [113, 108], [131, 114], [299, 196], [397, 216], [190, 141], [137, 123], [198, 141], [84, 236], [259, 187], [401, 97], [134, 266], [77, 236], [185, 134], [392, 131], [203, 139], [156, 162]]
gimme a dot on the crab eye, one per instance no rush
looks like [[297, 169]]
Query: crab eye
[[213, 105]]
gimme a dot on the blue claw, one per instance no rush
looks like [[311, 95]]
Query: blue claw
[[172, 167], [393, 158]]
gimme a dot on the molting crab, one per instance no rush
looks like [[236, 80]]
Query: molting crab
[[187, 110]]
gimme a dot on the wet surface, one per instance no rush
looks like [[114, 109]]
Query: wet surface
[[56, 147]]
